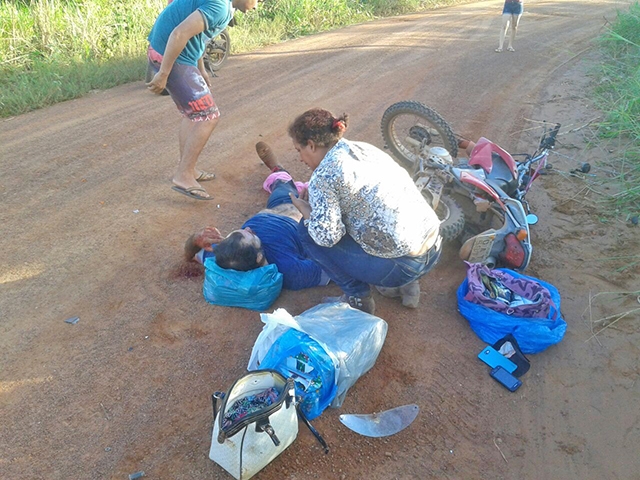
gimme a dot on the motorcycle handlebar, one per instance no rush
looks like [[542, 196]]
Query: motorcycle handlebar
[[548, 141]]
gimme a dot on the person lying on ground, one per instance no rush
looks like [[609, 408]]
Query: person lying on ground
[[268, 237], [365, 221]]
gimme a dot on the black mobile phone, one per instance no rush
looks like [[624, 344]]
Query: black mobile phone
[[507, 380]]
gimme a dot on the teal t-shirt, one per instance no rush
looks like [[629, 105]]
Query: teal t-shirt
[[216, 15]]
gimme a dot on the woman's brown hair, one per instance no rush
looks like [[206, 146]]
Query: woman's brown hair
[[318, 125]]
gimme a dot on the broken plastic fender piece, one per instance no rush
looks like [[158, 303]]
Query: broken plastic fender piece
[[381, 424]]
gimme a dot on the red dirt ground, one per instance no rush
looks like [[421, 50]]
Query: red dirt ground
[[92, 229]]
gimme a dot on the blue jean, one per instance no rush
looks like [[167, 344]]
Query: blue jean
[[280, 193], [354, 270]]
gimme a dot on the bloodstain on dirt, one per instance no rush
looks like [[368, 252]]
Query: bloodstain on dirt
[[186, 270]]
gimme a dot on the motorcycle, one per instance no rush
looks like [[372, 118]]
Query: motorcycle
[[481, 198], [217, 50]]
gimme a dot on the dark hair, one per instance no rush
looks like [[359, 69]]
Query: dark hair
[[235, 254], [318, 125]]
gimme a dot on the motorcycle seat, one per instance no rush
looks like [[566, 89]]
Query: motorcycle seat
[[501, 175]]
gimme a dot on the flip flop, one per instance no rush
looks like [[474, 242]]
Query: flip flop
[[205, 176], [189, 192]]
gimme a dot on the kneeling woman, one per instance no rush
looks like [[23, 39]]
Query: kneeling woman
[[365, 221]]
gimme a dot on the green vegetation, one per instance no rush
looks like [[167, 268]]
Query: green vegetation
[[618, 94], [55, 50]]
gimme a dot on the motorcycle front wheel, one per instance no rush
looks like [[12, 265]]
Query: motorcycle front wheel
[[217, 51], [411, 120]]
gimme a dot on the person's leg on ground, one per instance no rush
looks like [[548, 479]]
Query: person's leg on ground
[[280, 191], [344, 263], [409, 293], [193, 98], [515, 20], [506, 19], [278, 173], [193, 136], [353, 269], [410, 269], [268, 157], [201, 175]]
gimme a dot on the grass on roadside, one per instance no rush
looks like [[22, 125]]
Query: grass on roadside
[[48, 84], [618, 94], [55, 50]]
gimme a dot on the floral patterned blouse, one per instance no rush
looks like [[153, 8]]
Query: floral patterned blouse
[[360, 190]]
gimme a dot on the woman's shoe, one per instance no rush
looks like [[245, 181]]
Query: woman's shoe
[[410, 294], [389, 292]]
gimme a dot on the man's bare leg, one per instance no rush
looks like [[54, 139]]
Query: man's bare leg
[[193, 138]]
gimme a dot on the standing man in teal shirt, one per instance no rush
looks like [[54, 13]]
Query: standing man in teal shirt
[[176, 45]]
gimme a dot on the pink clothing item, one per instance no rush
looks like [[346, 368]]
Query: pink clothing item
[[285, 177]]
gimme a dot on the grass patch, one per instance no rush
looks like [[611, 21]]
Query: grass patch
[[47, 84], [55, 50], [618, 94]]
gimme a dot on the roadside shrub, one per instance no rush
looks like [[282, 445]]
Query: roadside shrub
[[618, 94], [54, 50]]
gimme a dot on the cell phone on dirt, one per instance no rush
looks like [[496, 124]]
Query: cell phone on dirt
[[494, 358], [507, 380]]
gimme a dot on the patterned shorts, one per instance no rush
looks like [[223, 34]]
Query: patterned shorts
[[188, 89]]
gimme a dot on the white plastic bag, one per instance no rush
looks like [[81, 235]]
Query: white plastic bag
[[352, 338]]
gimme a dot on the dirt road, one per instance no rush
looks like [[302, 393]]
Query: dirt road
[[92, 229]]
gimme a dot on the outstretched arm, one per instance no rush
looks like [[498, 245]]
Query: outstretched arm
[[204, 239]]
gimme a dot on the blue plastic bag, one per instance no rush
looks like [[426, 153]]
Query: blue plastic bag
[[256, 289], [296, 355], [533, 334]]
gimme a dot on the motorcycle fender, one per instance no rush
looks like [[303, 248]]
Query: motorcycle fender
[[476, 182], [432, 187], [436, 189]]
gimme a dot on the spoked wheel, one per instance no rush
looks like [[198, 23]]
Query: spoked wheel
[[450, 215], [410, 120], [217, 51]]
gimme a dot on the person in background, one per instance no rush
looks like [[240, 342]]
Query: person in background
[[365, 221], [511, 13], [176, 46]]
